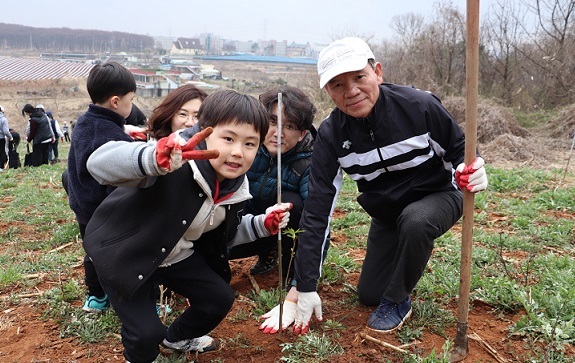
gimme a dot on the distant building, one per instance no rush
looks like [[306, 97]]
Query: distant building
[[213, 44], [281, 48], [243, 46], [295, 50], [155, 83], [187, 47], [209, 72], [68, 57], [164, 42]]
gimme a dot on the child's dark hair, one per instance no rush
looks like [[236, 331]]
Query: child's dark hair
[[229, 106], [109, 79], [297, 107]]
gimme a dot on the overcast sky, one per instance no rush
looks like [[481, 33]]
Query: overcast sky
[[316, 21]]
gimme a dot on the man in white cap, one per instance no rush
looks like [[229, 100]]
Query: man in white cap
[[405, 152]]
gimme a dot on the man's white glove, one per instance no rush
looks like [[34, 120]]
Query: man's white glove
[[308, 303], [472, 178], [272, 323]]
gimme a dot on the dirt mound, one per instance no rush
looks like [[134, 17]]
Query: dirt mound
[[504, 143], [563, 124], [492, 119]]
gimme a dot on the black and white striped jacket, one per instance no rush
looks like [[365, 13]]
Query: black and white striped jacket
[[406, 149]]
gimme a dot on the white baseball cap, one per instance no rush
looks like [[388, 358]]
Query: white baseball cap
[[40, 106], [344, 55], [1, 109]]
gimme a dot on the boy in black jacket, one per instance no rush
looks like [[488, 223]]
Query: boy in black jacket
[[112, 88], [189, 210]]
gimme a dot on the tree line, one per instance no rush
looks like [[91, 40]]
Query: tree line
[[27, 38]]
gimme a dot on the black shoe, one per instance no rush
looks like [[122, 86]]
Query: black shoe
[[265, 265]]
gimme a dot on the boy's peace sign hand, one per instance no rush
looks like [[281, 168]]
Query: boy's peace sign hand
[[173, 151]]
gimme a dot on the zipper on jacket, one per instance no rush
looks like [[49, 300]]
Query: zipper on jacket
[[265, 178], [212, 213], [372, 135]]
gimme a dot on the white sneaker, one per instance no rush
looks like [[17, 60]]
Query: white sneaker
[[201, 345]]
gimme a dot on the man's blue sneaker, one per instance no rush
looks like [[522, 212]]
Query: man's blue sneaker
[[95, 304], [389, 316]]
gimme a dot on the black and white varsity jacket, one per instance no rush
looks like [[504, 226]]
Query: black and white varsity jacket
[[406, 149]]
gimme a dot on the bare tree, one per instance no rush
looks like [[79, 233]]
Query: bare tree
[[444, 46], [553, 46], [503, 73], [402, 59]]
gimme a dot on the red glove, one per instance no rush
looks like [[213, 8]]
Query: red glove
[[472, 178], [277, 217], [172, 151], [136, 133]]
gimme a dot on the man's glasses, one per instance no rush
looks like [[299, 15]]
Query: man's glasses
[[288, 126]]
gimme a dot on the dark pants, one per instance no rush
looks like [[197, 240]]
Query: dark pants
[[210, 299], [40, 154], [90, 274], [53, 151], [265, 246], [3, 156], [398, 250]]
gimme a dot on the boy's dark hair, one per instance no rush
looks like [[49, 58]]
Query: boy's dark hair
[[109, 79], [297, 107], [229, 106]]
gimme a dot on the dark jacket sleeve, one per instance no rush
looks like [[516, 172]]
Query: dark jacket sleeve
[[325, 180]]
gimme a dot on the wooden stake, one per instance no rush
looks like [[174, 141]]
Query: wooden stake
[[460, 349]]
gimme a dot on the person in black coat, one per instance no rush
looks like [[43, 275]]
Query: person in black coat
[[40, 134]]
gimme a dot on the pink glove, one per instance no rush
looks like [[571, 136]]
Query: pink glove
[[277, 216], [472, 178], [308, 303], [172, 151], [272, 323]]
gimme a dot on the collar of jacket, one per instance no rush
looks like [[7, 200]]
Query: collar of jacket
[[205, 176], [108, 114]]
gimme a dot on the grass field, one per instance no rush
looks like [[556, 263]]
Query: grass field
[[523, 272]]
